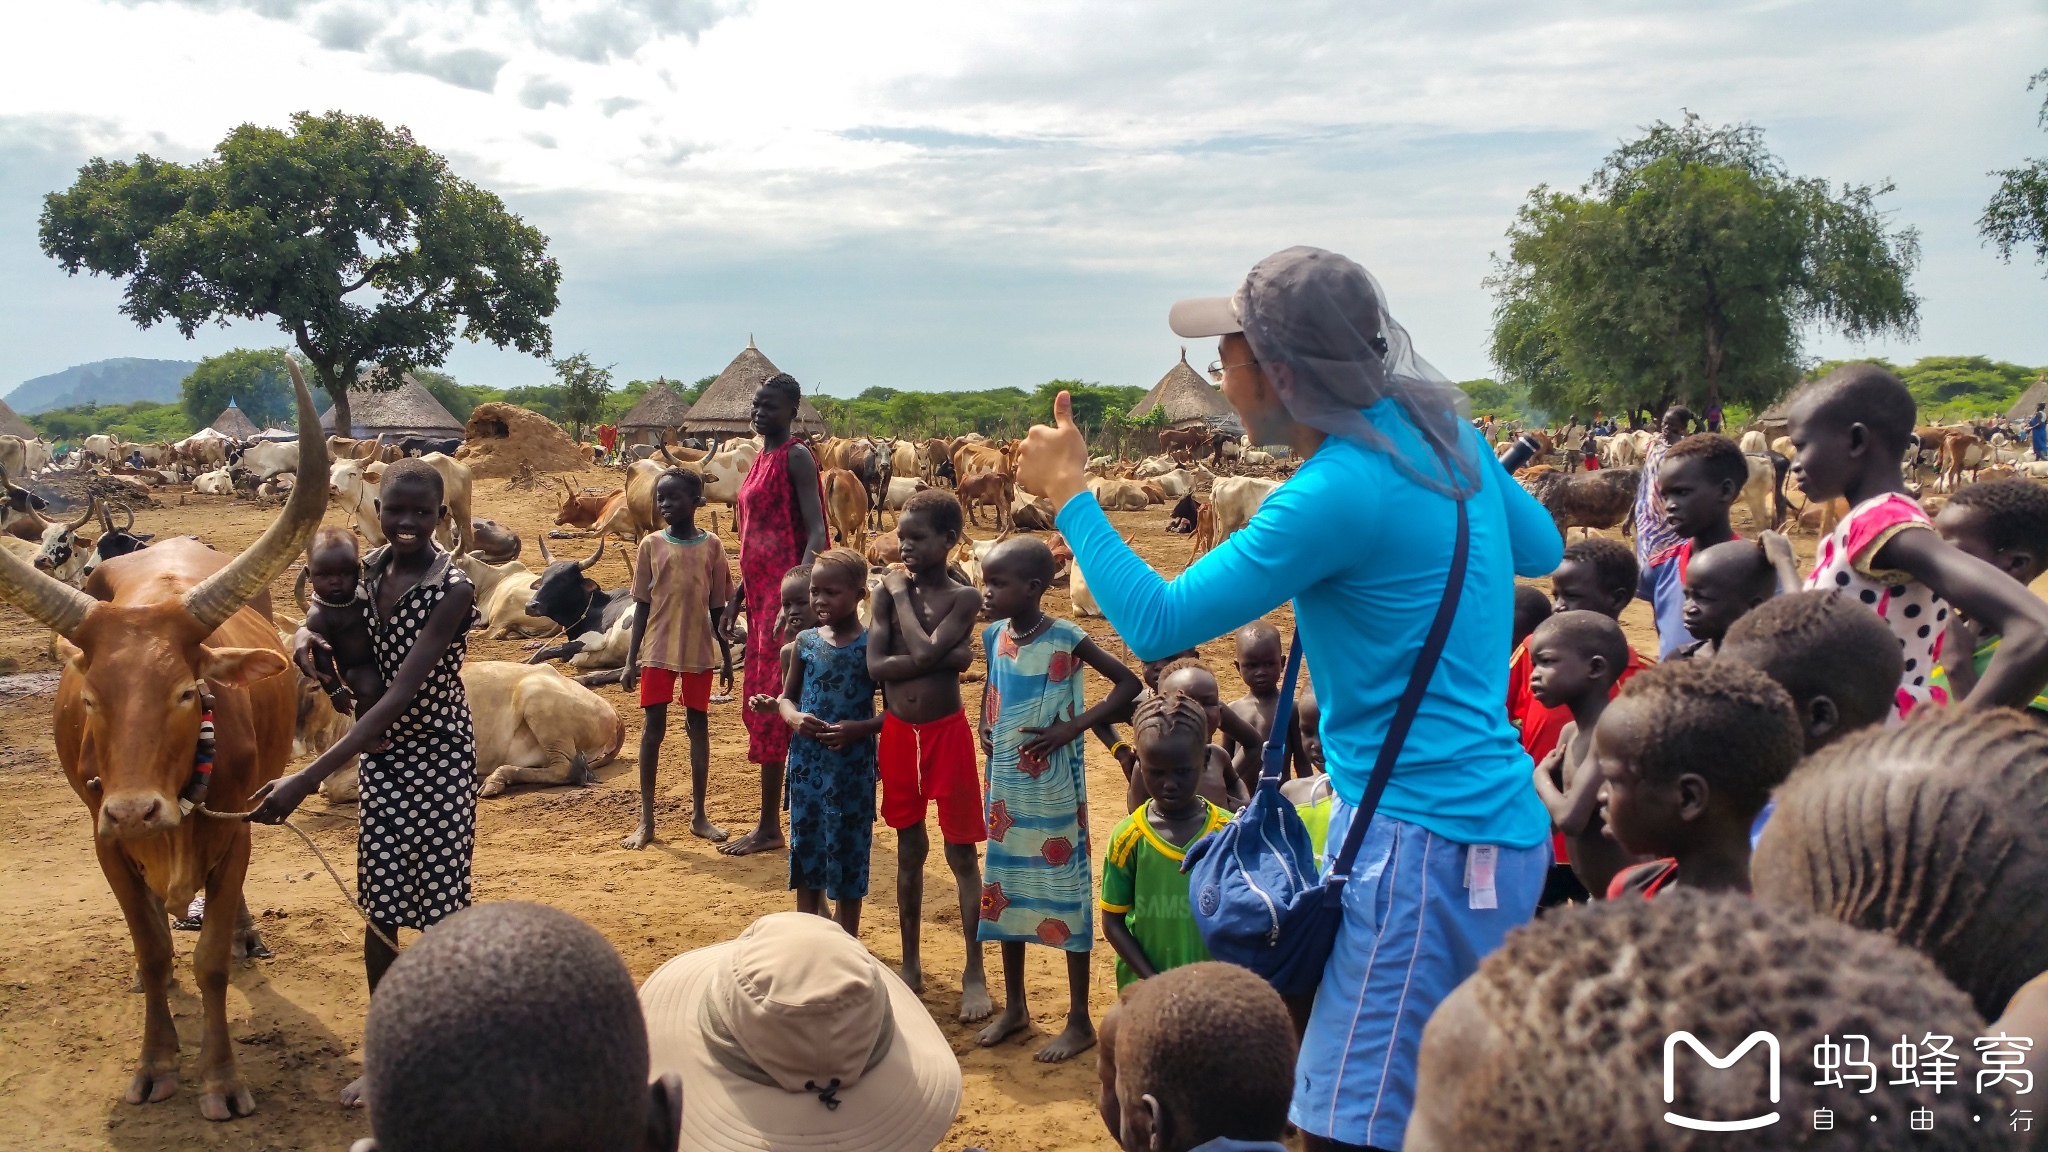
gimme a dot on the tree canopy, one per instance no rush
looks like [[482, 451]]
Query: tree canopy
[[356, 240], [2017, 216], [144, 422], [256, 379], [584, 389], [1685, 270]]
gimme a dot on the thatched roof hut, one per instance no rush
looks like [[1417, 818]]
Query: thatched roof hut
[[407, 410], [11, 423], [235, 423], [1189, 400], [727, 407], [659, 412], [2036, 394]]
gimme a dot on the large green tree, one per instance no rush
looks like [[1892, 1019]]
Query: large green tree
[[356, 240], [256, 379], [584, 388], [1686, 270], [2018, 213]]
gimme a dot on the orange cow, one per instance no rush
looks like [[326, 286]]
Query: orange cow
[[151, 636]]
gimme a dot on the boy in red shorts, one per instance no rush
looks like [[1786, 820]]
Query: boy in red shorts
[[919, 641], [681, 582]]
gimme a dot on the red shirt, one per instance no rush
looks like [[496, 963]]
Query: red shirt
[[1645, 880]]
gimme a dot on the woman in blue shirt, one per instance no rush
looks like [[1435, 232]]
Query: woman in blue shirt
[[1360, 539]]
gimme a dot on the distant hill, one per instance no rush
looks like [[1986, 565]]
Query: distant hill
[[119, 381]]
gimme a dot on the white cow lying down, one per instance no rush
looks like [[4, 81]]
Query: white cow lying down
[[533, 726]]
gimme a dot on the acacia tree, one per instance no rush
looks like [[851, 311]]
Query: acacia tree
[[255, 379], [1686, 269], [356, 240], [584, 388], [2018, 213]]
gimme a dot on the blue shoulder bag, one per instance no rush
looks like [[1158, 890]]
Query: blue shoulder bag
[[1253, 884]]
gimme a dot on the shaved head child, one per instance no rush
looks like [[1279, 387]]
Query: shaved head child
[[513, 1027], [1721, 584], [1849, 430], [1697, 484], [1689, 754], [2005, 524], [1261, 659], [1033, 717], [1199, 1057], [1597, 575], [338, 616], [1574, 659], [1561, 1040], [920, 640]]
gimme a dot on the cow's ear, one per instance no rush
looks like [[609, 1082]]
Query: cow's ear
[[589, 585], [237, 667], [68, 653]]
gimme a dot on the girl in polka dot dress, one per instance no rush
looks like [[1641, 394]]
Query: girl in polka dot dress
[[1850, 429], [419, 790]]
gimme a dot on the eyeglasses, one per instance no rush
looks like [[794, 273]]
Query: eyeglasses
[[1218, 367]]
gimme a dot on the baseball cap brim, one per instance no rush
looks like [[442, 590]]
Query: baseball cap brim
[[1204, 316], [907, 1101]]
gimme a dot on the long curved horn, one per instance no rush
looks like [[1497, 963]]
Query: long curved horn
[[51, 602], [667, 457], [92, 505], [127, 511], [299, 591], [566, 490], [222, 594], [584, 565], [542, 540]]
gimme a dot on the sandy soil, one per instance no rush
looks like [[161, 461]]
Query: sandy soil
[[70, 1028]]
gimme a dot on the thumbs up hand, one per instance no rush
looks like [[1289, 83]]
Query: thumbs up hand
[[1053, 461]]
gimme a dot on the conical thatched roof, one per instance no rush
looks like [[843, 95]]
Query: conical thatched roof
[[1189, 400], [728, 405], [2036, 393], [661, 408], [232, 421], [11, 423], [408, 410]]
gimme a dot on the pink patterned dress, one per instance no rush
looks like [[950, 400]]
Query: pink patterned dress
[[771, 543], [1909, 608]]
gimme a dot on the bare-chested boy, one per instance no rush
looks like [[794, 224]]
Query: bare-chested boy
[[919, 641], [1261, 661]]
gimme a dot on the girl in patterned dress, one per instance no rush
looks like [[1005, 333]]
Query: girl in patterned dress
[[1849, 429], [1038, 887], [828, 700], [418, 803], [781, 517]]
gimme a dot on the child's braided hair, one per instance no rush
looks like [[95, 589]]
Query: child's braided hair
[[1934, 833], [1578, 1006], [1164, 714], [2015, 514]]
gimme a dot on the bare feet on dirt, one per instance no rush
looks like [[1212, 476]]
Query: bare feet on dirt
[[1013, 1020], [762, 839]]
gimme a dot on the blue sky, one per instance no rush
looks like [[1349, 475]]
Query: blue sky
[[945, 195]]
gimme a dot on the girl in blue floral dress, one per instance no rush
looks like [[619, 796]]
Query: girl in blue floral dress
[[829, 700]]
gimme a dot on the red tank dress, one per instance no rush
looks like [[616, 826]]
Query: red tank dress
[[771, 543]]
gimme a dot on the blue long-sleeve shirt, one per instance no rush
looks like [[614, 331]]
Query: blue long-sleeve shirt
[[1363, 551]]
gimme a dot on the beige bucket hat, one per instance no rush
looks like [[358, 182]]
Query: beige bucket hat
[[793, 1036]]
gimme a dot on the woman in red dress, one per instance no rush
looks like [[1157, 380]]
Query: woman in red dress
[[781, 515]]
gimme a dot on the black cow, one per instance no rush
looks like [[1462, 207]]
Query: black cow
[[116, 541], [421, 445], [574, 601]]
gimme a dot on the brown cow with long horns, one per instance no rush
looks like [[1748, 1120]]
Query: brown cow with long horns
[[151, 637]]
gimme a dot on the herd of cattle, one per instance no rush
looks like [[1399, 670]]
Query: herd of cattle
[[153, 632], [1945, 456]]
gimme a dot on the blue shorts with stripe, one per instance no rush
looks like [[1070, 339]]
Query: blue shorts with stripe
[[1409, 937]]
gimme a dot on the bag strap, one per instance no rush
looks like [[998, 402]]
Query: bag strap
[[1275, 755], [1411, 700]]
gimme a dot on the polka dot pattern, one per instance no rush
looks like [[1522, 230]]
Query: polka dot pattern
[[419, 796], [1904, 604]]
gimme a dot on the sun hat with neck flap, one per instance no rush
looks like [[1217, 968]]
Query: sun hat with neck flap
[[1318, 324], [792, 1036]]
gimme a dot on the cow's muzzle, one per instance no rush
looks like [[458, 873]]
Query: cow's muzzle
[[144, 812]]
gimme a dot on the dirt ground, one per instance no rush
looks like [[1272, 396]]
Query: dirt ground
[[70, 1028]]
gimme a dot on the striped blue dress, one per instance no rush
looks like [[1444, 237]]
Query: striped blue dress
[[1038, 886]]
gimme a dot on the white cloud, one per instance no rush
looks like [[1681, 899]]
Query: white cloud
[[1109, 155]]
